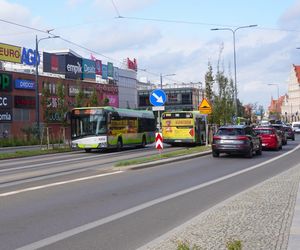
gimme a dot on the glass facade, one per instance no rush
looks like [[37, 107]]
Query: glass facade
[[185, 99]]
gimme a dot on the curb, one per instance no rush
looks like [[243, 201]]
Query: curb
[[164, 161]]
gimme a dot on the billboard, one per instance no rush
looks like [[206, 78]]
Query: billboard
[[73, 67], [53, 63], [89, 69], [104, 71], [98, 64], [110, 70], [10, 53]]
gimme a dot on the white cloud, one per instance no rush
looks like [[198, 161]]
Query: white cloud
[[123, 7]]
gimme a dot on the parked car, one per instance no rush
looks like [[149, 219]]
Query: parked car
[[281, 131], [236, 139], [289, 131], [270, 138], [296, 127]]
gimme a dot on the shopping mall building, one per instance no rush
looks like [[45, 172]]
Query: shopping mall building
[[18, 77]]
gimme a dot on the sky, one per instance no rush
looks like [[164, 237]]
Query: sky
[[170, 37]]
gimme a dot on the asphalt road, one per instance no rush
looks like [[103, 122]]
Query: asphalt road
[[96, 209]]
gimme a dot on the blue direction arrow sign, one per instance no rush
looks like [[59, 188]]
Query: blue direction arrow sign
[[158, 97]]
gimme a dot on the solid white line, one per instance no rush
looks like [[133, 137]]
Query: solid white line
[[57, 184], [69, 233], [48, 163]]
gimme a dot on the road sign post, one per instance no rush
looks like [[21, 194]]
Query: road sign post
[[158, 98], [205, 109]]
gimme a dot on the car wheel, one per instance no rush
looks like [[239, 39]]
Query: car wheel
[[215, 154], [259, 151], [250, 153]]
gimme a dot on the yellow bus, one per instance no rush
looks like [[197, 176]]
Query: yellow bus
[[183, 128], [109, 127]]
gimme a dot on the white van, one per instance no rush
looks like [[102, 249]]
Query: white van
[[296, 127]]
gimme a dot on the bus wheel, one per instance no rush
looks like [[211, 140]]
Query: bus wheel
[[119, 144], [88, 150], [144, 142]]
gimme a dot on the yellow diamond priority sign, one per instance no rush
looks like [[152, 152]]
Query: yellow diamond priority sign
[[204, 107]]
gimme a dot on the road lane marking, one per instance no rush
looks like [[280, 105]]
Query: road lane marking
[[69, 233], [57, 184]]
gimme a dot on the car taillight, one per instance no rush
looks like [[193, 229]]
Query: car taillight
[[217, 138]]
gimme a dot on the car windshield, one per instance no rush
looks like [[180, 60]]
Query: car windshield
[[230, 131], [296, 125]]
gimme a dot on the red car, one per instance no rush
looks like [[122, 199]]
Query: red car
[[269, 137]]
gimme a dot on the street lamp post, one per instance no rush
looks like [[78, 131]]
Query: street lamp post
[[161, 77], [234, 59], [37, 102]]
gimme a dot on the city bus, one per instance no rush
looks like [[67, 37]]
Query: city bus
[[109, 127], [183, 128]]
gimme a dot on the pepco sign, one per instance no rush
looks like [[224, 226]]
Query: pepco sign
[[10, 53]]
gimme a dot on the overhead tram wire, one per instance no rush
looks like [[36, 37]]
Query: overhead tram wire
[[116, 9], [199, 23], [49, 32]]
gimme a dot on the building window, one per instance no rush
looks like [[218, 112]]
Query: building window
[[21, 115]]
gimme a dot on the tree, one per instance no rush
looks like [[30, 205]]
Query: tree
[[79, 98], [45, 102], [62, 106], [94, 99], [209, 82]]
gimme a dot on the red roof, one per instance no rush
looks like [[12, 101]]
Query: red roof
[[297, 71]]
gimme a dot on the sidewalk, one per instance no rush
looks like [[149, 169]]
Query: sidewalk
[[275, 224], [294, 240]]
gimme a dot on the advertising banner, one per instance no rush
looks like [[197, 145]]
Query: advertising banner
[[98, 64], [104, 71], [28, 57], [89, 69], [110, 70], [25, 102], [5, 115], [113, 100], [73, 67], [24, 84], [10, 53], [5, 82], [5, 102], [53, 63]]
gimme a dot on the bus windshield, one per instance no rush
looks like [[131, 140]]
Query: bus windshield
[[88, 124]]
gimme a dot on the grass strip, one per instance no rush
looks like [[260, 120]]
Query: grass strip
[[160, 156], [25, 153]]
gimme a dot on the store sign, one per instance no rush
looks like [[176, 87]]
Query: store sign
[[28, 57], [10, 53], [98, 65], [73, 67], [5, 82], [110, 70], [73, 90], [104, 71], [89, 69], [24, 84], [25, 102], [5, 102], [5, 115], [53, 63]]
